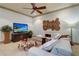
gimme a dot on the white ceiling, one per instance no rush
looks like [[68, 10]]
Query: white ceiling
[[19, 7]]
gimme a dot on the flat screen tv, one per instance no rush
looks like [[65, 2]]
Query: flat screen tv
[[18, 27]]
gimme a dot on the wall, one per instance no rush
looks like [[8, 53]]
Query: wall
[[68, 17], [8, 17]]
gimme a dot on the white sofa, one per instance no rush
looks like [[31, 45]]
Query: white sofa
[[60, 47]]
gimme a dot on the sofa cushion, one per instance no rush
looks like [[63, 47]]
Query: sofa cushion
[[49, 45], [34, 51], [62, 48], [57, 36]]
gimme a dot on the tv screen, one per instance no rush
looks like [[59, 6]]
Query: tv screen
[[18, 27]]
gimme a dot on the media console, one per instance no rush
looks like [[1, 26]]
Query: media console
[[18, 36]]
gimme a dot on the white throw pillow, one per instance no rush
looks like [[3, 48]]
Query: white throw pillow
[[49, 45]]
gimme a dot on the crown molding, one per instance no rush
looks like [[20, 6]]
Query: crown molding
[[57, 10], [14, 11]]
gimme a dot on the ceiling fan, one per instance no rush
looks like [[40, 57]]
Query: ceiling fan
[[35, 8]]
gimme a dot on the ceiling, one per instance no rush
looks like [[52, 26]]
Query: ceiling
[[19, 8]]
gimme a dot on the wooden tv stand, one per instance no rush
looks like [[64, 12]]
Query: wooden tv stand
[[18, 36]]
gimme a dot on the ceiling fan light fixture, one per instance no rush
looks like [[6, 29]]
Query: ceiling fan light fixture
[[35, 8]]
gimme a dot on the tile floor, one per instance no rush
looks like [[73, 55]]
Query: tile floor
[[75, 50], [11, 49]]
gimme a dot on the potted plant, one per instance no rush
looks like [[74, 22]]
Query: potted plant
[[30, 33], [6, 30]]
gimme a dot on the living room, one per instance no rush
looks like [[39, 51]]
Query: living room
[[39, 23]]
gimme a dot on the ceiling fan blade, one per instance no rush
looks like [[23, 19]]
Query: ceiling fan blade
[[32, 12], [33, 4], [28, 8], [39, 11], [43, 7]]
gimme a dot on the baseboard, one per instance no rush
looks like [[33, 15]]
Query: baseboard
[[76, 43]]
